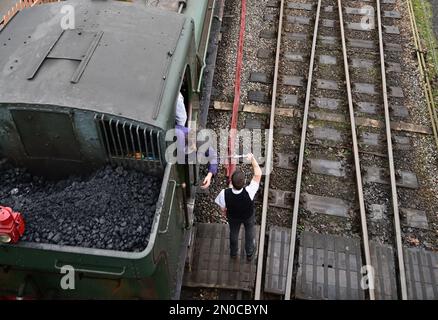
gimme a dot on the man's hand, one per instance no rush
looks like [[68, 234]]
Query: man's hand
[[207, 181], [250, 156], [224, 215]]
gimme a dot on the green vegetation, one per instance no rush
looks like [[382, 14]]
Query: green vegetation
[[306, 152], [423, 15], [372, 72], [346, 152]]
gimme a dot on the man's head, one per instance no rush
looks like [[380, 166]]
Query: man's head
[[238, 179]]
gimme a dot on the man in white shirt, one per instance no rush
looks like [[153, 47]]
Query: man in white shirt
[[238, 204], [181, 112]]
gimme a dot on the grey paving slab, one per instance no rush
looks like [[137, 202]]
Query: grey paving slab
[[421, 274], [402, 142], [277, 260], [399, 111], [385, 278], [294, 57], [365, 88], [326, 205], [212, 266], [328, 23], [407, 179], [300, 6], [392, 14], [260, 77], [361, 44], [327, 167], [414, 218], [362, 63], [253, 124], [294, 81], [259, 96], [298, 20], [393, 67], [265, 54], [326, 84], [404, 179], [328, 40], [273, 4], [296, 36], [376, 175], [367, 107], [371, 139], [392, 29], [324, 133], [396, 92], [357, 26], [289, 100], [377, 211], [328, 268], [285, 161], [325, 59], [395, 47], [327, 103], [281, 198], [359, 11], [268, 34]]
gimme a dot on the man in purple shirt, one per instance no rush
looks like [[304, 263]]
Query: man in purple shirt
[[210, 154]]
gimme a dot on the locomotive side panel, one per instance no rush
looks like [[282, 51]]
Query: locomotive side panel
[[87, 119]]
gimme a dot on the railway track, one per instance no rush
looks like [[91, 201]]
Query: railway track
[[346, 196], [348, 163]]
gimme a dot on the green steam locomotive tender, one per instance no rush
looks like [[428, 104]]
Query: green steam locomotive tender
[[73, 100]]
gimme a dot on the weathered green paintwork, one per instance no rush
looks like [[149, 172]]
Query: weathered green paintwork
[[102, 273], [196, 10], [131, 73]]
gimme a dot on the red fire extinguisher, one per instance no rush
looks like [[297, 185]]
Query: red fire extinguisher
[[11, 225]]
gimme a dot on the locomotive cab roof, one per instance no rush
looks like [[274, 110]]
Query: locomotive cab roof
[[122, 59]]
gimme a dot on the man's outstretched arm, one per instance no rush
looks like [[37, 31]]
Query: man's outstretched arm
[[256, 168], [211, 154]]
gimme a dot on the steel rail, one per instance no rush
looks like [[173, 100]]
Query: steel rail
[[268, 166], [363, 217], [401, 266], [301, 160]]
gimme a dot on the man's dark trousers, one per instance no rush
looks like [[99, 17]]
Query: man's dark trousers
[[249, 225]]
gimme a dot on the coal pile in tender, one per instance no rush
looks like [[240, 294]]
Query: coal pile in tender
[[110, 209]]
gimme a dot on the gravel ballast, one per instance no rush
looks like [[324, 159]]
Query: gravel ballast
[[113, 208]]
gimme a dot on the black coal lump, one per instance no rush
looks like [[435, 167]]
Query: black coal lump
[[113, 208]]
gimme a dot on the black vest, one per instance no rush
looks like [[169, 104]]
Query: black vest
[[239, 206]]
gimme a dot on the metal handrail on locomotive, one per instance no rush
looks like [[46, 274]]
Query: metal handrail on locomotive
[[102, 94]]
